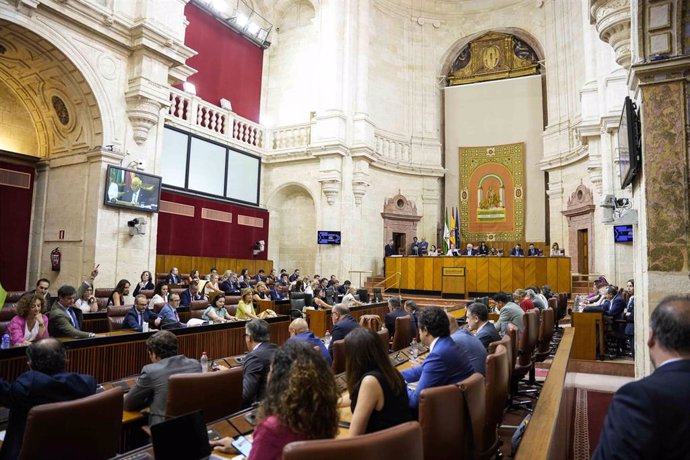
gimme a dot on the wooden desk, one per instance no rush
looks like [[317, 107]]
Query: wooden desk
[[110, 357], [589, 335], [482, 275]]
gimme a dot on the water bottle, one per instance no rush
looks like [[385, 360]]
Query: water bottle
[[204, 362], [414, 351], [327, 339], [5, 341]]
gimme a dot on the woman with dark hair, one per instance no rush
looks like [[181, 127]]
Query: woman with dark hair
[[244, 278], [117, 298], [216, 312], [146, 284], [378, 396], [483, 249], [318, 299], [29, 323], [160, 294], [300, 404]]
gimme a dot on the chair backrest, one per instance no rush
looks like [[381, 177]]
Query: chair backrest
[[562, 306], [498, 372], [377, 294], [296, 295], [385, 338], [338, 356], [308, 299], [116, 315], [553, 303], [197, 308], [381, 445], [529, 337], [372, 322], [216, 394], [546, 330], [297, 303], [147, 292], [157, 307], [403, 333], [445, 424], [86, 428], [474, 392]]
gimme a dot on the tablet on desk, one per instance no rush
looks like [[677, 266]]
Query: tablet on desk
[[242, 445]]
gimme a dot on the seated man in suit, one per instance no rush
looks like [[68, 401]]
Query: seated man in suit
[[63, 319], [140, 314], [469, 250], [478, 322], [470, 346], [45, 382], [299, 330], [135, 194], [649, 418], [230, 285], [151, 388], [532, 251], [343, 323], [173, 277], [190, 294], [445, 363], [509, 312], [257, 362], [517, 250], [395, 310]]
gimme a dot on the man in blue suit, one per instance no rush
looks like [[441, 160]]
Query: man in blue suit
[[395, 310], [46, 382], [445, 364], [140, 314], [517, 250], [478, 322], [190, 294], [649, 418], [299, 330], [343, 323]]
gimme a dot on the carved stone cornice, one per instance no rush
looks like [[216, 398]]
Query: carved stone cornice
[[612, 20], [330, 184]]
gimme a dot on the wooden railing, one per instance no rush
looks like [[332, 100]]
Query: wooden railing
[[548, 435]]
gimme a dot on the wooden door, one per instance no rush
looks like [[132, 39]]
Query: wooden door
[[582, 251]]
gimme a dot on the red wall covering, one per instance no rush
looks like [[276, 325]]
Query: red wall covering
[[15, 215], [194, 236], [228, 65]]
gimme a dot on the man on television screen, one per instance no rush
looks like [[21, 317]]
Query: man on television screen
[[135, 194]]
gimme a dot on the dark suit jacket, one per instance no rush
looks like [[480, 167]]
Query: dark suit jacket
[[340, 330], [32, 389], [131, 320], [255, 368], [186, 298], [518, 252], [149, 286], [533, 252], [466, 253], [229, 287], [60, 324], [443, 366], [649, 418], [389, 250], [151, 388], [314, 341], [143, 198], [615, 307], [488, 334], [172, 279], [389, 320]]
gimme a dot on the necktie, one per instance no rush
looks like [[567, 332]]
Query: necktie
[[73, 317], [140, 318]]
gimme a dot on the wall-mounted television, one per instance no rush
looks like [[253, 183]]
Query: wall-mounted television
[[629, 143], [127, 188], [326, 237], [623, 233]]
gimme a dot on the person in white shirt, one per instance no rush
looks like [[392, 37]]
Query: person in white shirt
[[160, 295], [349, 299], [452, 251]]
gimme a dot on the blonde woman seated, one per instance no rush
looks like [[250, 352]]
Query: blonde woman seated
[[29, 323], [318, 301], [349, 298], [261, 292], [216, 312], [212, 285], [245, 309]]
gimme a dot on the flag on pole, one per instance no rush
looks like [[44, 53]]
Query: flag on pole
[[446, 234], [452, 226], [457, 226], [3, 296]]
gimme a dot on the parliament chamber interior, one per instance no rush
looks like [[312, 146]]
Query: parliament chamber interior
[[371, 229]]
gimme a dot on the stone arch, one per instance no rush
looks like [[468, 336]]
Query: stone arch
[[57, 90], [292, 228], [277, 10]]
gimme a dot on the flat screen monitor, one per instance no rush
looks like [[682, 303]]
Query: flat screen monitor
[[623, 233], [629, 148], [127, 188], [327, 237]]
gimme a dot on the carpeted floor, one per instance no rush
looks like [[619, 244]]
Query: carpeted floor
[[590, 411]]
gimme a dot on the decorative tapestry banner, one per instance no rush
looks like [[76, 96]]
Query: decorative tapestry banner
[[492, 194]]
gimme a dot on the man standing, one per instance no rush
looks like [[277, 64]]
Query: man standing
[[415, 246], [256, 364], [471, 347], [478, 322], [445, 363], [140, 314], [299, 330], [649, 418], [389, 249], [64, 319], [423, 247], [509, 312], [45, 382], [151, 388], [394, 311], [343, 323]]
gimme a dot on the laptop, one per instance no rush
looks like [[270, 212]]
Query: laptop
[[181, 437]]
